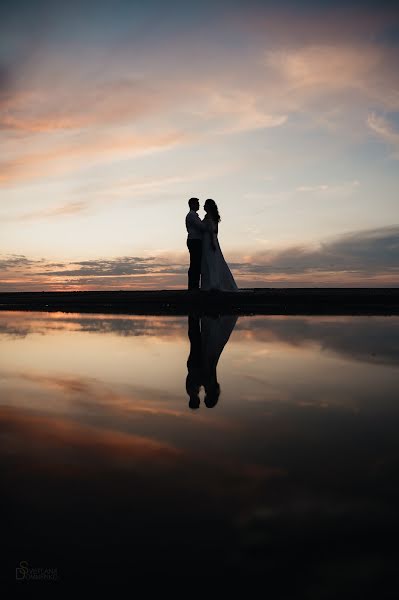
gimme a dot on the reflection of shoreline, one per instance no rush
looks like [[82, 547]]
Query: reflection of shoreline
[[208, 337]]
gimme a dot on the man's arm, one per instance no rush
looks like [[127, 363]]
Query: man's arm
[[195, 221]]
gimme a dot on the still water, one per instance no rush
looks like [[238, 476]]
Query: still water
[[212, 446]]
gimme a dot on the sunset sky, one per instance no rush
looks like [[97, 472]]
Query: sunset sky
[[113, 114]]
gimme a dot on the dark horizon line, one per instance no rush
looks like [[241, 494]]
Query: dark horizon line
[[247, 301]]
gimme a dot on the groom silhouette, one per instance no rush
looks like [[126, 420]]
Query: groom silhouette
[[194, 227], [194, 361]]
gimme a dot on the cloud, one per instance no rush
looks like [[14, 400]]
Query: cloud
[[235, 110], [344, 188], [326, 64], [324, 67], [103, 193], [18, 261], [71, 208], [97, 135], [36, 110], [66, 109], [367, 257], [369, 252], [312, 188], [127, 265], [334, 85], [92, 148], [126, 272], [384, 130]]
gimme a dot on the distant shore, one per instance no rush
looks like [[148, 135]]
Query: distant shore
[[320, 301]]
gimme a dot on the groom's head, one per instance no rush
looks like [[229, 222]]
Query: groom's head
[[194, 204]]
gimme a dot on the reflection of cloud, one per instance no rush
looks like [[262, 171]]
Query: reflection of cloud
[[19, 324], [366, 339], [62, 440], [94, 403], [90, 402], [14, 330], [139, 501], [59, 434], [331, 485]]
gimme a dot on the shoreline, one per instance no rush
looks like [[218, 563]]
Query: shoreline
[[262, 301]]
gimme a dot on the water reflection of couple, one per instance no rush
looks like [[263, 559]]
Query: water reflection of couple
[[208, 336]]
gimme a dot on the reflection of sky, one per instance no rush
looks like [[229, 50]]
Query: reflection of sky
[[304, 432], [114, 114], [136, 366]]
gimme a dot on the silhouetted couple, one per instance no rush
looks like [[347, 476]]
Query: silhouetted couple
[[206, 259], [208, 336]]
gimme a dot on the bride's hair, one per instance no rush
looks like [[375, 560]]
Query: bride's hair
[[213, 210]]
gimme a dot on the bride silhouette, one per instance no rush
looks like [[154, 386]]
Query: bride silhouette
[[215, 273], [207, 341]]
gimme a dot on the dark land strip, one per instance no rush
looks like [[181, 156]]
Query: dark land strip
[[262, 301]]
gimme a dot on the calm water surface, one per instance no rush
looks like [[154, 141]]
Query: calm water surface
[[215, 446]]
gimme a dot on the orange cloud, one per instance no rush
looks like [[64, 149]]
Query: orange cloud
[[72, 208], [68, 155], [326, 66], [51, 130], [366, 257], [83, 104]]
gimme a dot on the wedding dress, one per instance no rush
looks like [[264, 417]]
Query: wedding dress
[[215, 273], [215, 333]]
